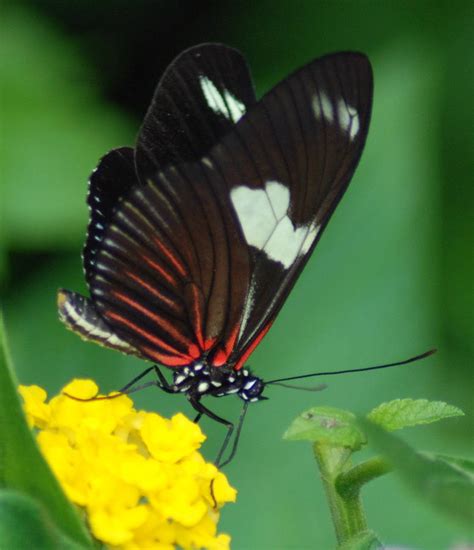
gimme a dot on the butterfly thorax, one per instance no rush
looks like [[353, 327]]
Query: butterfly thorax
[[200, 379]]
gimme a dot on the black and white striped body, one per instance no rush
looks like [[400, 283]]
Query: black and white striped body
[[200, 379]]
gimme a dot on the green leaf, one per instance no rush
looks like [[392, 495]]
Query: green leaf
[[367, 540], [401, 413], [328, 426], [446, 487], [55, 113], [22, 466], [25, 523]]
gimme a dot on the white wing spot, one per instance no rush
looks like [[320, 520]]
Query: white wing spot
[[326, 106], [263, 217], [322, 107], [255, 214], [285, 243], [316, 107], [352, 111], [355, 124], [309, 239], [343, 115], [207, 162], [348, 119], [226, 105], [279, 197]]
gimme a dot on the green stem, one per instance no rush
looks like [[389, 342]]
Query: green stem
[[350, 482], [347, 513]]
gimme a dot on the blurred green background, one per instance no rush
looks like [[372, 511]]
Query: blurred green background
[[391, 277]]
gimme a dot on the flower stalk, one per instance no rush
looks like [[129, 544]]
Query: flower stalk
[[347, 513]]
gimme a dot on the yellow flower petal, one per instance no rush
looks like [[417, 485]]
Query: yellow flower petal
[[139, 477], [80, 388], [147, 474], [223, 492], [170, 440], [116, 526], [37, 412]]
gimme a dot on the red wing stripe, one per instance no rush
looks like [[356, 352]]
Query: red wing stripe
[[176, 263], [195, 306], [153, 291], [162, 323], [194, 351], [252, 346], [155, 340], [168, 360], [222, 354], [209, 343], [160, 270], [219, 359]]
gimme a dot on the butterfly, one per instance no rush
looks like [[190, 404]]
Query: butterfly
[[198, 234]]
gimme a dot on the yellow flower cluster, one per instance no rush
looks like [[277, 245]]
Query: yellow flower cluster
[[139, 476]]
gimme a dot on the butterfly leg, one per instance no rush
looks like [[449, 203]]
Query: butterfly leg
[[202, 410], [135, 380], [161, 383], [237, 436]]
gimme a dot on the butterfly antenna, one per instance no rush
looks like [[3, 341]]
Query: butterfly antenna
[[347, 371], [319, 387]]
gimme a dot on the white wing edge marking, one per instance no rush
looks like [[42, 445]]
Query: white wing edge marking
[[90, 329]]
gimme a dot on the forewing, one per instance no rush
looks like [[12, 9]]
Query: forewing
[[287, 164], [200, 97]]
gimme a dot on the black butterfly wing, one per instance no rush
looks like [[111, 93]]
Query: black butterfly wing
[[163, 279], [114, 177], [201, 96], [222, 240], [287, 164], [200, 257]]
